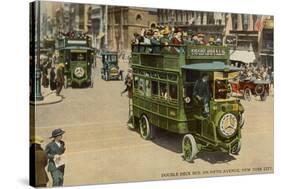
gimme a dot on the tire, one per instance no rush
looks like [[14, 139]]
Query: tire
[[236, 148], [247, 94], [259, 89], [145, 128], [242, 120], [189, 148]]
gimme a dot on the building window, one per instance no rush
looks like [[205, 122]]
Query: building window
[[245, 21], [234, 21], [138, 17]]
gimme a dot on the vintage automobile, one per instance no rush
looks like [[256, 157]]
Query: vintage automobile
[[78, 57], [250, 87], [110, 69], [163, 84]]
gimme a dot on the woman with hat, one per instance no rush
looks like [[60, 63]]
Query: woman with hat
[[38, 161], [54, 151], [177, 39]]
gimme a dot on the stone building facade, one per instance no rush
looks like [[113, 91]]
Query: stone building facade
[[123, 22]]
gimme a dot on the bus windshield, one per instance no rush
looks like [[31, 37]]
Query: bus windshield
[[78, 57]]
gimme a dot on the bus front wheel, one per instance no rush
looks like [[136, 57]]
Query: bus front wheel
[[189, 148], [145, 128]]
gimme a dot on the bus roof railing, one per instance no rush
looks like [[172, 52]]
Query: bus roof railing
[[158, 49]]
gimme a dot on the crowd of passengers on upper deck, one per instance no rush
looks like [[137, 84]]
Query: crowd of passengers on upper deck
[[172, 36]]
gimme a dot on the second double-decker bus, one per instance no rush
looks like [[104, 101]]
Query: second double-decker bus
[[78, 56]]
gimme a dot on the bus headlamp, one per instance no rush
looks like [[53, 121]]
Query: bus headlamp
[[228, 125]]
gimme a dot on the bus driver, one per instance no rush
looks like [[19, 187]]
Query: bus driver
[[201, 92]]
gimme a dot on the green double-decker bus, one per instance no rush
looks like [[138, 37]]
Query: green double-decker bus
[[78, 56], [163, 84]]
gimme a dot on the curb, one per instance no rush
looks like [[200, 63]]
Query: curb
[[46, 102]]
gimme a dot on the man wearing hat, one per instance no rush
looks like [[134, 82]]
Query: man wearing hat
[[201, 39], [38, 161], [165, 39], [54, 151], [128, 83], [60, 78], [177, 39]]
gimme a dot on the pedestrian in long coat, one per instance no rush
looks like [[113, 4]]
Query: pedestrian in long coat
[[38, 162], [53, 85], [60, 78]]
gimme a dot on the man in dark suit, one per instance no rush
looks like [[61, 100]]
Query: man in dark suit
[[201, 92], [54, 151], [60, 78]]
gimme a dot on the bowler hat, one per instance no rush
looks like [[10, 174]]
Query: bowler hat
[[57, 132]]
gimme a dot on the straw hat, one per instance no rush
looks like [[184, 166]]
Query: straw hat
[[36, 139]]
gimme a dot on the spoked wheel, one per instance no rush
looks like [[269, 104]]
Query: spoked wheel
[[259, 89], [145, 128], [189, 148], [247, 94], [236, 148]]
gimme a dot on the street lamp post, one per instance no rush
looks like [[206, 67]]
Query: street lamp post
[[35, 68]]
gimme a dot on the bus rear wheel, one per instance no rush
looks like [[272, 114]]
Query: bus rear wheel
[[145, 128], [189, 148]]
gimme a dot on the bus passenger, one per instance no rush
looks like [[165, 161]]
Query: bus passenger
[[177, 39], [201, 92], [155, 43], [165, 39]]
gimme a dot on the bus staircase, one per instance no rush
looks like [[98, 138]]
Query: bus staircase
[[131, 120]]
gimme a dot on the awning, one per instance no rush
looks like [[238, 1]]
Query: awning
[[212, 66], [242, 56]]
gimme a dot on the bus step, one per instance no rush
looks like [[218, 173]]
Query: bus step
[[200, 117]]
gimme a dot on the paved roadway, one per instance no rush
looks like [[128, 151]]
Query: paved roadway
[[100, 148]]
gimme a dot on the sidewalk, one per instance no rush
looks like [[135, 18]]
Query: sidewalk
[[50, 97]]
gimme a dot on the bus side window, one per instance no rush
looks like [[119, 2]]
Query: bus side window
[[141, 86], [154, 86], [147, 88], [173, 92], [136, 82], [163, 90]]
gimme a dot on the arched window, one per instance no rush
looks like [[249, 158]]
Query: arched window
[[138, 17]]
